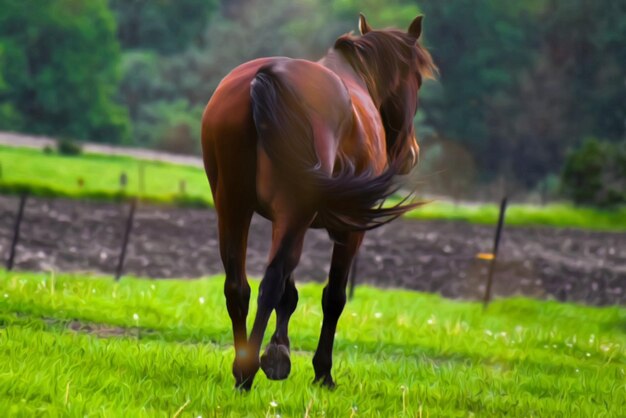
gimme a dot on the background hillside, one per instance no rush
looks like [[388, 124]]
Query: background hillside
[[521, 82]]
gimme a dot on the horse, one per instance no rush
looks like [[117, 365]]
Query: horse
[[309, 145]]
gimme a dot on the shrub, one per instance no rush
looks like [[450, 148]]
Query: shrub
[[595, 173], [69, 147]]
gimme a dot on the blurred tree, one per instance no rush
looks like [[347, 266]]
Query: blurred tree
[[479, 47], [142, 81], [172, 126], [8, 114], [380, 14], [166, 26], [587, 40], [523, 81], [270, 28], [60, 68], [595, 173]]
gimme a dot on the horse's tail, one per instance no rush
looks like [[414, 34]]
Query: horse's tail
[[345, 201]]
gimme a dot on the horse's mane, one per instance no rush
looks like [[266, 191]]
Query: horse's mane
[[382, 58]]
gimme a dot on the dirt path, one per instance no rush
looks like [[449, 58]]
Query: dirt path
[[563, 264]]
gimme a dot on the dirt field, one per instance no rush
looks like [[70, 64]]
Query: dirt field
[[562, 264]]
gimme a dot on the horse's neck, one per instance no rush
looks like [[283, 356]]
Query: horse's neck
[[336, 62], [366, 144]]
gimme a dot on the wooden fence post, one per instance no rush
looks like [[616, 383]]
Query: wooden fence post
[[129, 227], [16, 230], [496, 243]]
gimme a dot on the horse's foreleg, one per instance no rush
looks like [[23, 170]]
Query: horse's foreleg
[[275, 361], [233, 232], [333, 302], [287, 240]]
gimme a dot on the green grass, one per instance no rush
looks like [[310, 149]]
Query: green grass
[[149, 348], [52, 175], [555, 215], [28, 170]]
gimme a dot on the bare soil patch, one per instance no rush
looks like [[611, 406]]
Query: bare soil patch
[[433, 256]]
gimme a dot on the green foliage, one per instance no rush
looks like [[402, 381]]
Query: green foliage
[[171, 126], [166, 26], [68, 147], [60, 69], [595, 173], [71, 345], [523, 81]]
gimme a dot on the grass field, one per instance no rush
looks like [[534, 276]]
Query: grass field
[[54, 175], [87, 346], [25, 169]]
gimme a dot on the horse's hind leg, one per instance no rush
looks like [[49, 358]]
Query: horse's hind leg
[[233, 234], [275, 361], [333, 302], [287, 239]]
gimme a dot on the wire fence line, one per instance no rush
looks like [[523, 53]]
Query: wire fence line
[[132, 208]]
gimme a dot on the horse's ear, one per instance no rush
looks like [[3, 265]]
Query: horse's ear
[[415, 30], [363, 26]]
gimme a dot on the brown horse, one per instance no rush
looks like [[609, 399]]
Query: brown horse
[[309, 144]]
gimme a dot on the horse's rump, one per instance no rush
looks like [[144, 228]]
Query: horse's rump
[[345, 200]]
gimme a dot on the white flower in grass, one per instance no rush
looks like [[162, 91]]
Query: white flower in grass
[[201, 300], [136, 317], [6, 295], [273, 404], [378, 315]]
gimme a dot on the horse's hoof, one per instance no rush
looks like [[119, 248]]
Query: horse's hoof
[[275, 362], [244, 372], [326, 381], [244, 386]]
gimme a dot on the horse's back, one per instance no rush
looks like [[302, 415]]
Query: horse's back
[[229, 135]]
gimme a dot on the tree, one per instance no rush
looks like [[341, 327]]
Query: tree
[[60, 68], [166, 26], [595, 173]]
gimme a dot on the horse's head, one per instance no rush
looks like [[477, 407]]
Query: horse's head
[[393, 65]]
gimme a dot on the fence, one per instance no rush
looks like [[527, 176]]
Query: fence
[[490, 257]]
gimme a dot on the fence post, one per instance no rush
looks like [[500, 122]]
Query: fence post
[[496, 243], [129, 227], [16, 230], [352, 278]]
